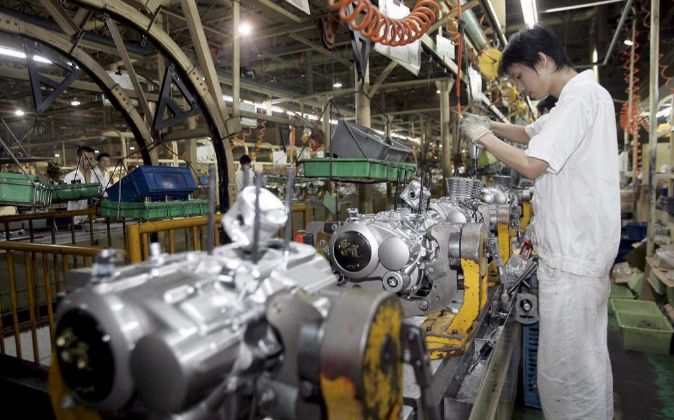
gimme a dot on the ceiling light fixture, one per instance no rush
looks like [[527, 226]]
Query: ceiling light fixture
[[245, 29], [132, 148], [438, 91], [19, 113], [57, 155], [581, 6], [628, 42], [75, 102], [337, 85], [595, 68], [529, 12]]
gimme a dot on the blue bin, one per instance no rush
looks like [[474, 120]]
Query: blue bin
[[634, 231], [529, 365], [155, 183]]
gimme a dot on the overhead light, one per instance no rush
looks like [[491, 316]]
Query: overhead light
[[595, 68], [132, 148], [75, 102], [581, 6], [337, 85], [245, 29], [97, 151], [57, 155], [19, 113], [438, 91], [628, 42], [529, 12]]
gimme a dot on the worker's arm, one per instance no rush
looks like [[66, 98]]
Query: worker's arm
[[513, 157], [513, 132]]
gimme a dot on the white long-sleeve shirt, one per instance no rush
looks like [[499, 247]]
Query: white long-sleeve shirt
[[77, 175], [577, 199]]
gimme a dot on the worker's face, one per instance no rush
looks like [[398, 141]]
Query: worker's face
[[104, 163], [86, 160], [535, 83]]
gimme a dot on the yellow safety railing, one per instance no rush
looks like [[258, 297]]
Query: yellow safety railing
[[32, 288], [14, 222], [139, 236]]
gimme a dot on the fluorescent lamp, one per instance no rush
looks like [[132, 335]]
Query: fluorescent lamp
[[75, 102], [8, 52], [595, 68], [438, 91], [57, 155], [628, 42], [581, 6], [97, 151], [19, 113], [337, 85], [132, 148], [529, 12], [245, 29]]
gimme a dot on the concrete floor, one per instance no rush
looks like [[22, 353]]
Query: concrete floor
[[643, 383]]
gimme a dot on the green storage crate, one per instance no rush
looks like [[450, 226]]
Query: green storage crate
[[357, 169], [69, 192], [153, 210], [23, 190], [636, 307], [620, 292], [651, 333]]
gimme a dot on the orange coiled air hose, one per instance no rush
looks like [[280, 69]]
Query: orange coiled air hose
[[374, 25]]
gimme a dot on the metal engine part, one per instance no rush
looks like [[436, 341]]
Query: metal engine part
[[461, 189], [187, 333], [416, 195], [526, 309], [412, 255]]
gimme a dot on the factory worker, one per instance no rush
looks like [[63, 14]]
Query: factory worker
[[573, 157], [83, 174], [245, 175], [101, 171]]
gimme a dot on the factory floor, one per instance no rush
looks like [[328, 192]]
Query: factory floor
[[643, 383]]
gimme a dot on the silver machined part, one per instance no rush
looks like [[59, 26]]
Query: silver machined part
[[474, 241], [458, 188], [238, 222], [411, 195], [393, 282]]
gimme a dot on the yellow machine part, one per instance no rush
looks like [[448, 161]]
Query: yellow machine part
[[526, 215], [368, 386], [448, 334], [504, 242], [58, 391], [488, 63]]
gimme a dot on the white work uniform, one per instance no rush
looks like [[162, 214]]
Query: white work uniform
[[103, 179], [240, 180], [576, 233], [79, 204]]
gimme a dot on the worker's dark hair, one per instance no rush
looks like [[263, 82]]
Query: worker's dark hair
[[101, 156], [82, 149], [244, 160], [524, 46], [546, 104]]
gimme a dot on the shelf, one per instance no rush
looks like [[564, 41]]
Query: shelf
[[660, 273]]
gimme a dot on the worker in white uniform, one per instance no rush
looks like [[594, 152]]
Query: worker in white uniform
[[245, 175], [101, 172], [573, 157], [83, 174]]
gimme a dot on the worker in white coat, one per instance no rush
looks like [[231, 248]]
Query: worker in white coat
[[83, 174], [573, 157]]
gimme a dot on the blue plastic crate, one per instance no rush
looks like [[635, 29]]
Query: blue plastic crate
[[634, 231], [529, 365], [155, 183]]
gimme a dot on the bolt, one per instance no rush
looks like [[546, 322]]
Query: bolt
[[392, 282], [526, 306], [430, 270], [423, 305]]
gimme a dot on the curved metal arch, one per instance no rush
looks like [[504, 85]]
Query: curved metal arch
[[113, 91], [190, 74]]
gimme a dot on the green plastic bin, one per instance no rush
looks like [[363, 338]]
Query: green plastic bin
[[636, 307], [23, 190], [70, 192], [153, 210], [356, 169], [651, 333], [621, 292]]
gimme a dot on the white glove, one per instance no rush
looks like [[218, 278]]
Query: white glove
[[484, 120], [473, 127]]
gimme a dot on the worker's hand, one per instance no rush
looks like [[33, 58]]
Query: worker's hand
[[484, 120], [473, 128]]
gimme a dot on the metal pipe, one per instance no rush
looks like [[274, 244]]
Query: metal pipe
[[236, 59], [617, 31], [210, 233], [256, 219], [653, 106], [289, 201]]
